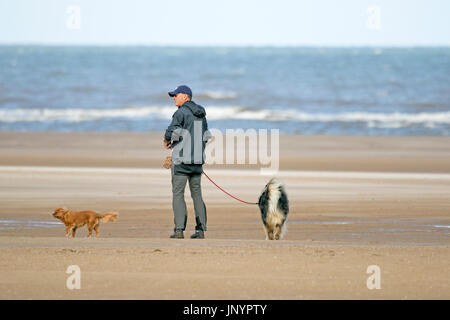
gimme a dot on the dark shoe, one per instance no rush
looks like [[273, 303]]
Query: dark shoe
[[178, 234], [199, 234]]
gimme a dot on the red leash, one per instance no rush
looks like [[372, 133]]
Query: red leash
[[227, 192]]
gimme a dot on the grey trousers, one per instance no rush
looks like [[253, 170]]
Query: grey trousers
[[179, 205]]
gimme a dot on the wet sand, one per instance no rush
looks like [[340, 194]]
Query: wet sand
[[355, 202]]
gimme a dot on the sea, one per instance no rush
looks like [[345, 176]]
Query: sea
[[304, 90]]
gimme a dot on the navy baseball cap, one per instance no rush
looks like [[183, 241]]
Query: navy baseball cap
[[181, 89]]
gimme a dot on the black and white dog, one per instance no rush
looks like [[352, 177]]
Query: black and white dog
[[274, 206]]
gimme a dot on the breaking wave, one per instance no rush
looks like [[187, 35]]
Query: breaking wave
[[372, 119]]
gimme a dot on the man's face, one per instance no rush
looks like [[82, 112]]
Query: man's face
[[180, 99]]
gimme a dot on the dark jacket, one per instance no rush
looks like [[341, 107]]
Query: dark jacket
[[189, 133]]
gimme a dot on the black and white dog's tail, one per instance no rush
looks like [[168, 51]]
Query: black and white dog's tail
[[274, 206]]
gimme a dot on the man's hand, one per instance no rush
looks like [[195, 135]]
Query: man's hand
[[167, 144]]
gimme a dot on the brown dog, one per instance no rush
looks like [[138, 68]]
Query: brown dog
[[75, 219], [167, 164]]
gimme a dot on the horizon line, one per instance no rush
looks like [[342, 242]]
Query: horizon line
[[224, 45]]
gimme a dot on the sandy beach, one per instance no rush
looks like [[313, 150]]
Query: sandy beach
[[355, 202]]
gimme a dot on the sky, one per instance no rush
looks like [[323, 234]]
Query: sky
[[226, 22]]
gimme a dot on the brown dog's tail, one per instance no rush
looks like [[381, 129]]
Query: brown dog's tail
[[109, 216]]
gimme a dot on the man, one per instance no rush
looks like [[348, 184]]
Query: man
[[186, 137]]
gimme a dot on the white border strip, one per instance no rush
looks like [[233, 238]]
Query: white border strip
[[216, 172]]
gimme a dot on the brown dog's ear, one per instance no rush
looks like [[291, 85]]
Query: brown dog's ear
[[63, 210]]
